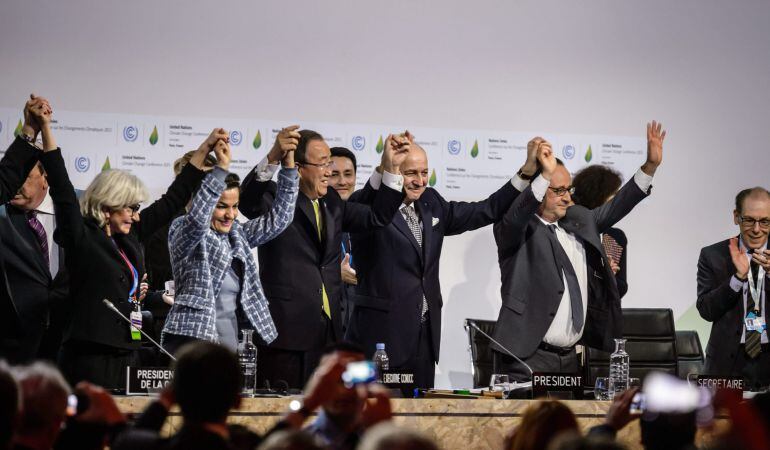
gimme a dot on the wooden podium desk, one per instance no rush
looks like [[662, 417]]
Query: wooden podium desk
[[467, 424]]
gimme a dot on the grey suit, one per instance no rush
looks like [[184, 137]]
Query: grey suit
[[532, 285]]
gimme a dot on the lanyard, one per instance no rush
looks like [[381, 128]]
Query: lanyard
[[134, 274], [755, 287]]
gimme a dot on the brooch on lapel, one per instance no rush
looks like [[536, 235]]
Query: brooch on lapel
[[435, 221]]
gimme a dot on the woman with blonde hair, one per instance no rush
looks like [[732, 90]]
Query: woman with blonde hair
[[103, 256]]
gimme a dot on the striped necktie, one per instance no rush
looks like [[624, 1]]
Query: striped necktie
[[40, 235]]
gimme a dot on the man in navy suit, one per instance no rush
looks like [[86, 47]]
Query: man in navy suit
[[398, 297], [558, 288]]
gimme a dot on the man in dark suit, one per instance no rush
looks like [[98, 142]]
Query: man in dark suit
[[398, 297], [558, 289], [21, 255], [731, 289], [32, 265], [343, 180], [300, 269]]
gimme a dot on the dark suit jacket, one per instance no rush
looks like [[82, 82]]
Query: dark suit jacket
[[394, 272], [620, 277], [32, 288], [293, 266], [721, 306], [96, 269], [18, 161], [532, 285]]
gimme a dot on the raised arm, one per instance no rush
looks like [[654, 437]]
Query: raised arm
[[163, 210], [509, 232], [636, 189], [21, 156], [69, 222], [267, 226]]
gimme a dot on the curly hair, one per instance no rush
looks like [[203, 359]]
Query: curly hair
[[595, 184]]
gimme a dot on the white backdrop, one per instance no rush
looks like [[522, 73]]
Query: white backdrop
[[593, 67]]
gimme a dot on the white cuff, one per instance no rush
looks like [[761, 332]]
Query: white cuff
[[265, 171], [736, 284], [539, 186], [643, 180], [519, 183], [395, 182], [375, 180]]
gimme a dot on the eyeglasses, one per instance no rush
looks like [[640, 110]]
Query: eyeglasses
[[750, 222], [325, 165], [561, 190], [134, 208]]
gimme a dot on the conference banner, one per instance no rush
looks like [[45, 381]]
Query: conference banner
[[463, 164]]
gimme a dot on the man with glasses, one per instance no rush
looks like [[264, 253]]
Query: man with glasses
[[300, 269], [731, 294], [558, 288]]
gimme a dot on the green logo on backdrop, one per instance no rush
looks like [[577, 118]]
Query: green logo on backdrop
[[380, 146], [257, 140], [475, 149], [154, 136], [589, 154], [17, 131], [106, 165], [432, 180]]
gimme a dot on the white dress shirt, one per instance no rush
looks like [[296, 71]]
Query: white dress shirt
[[561, 332]]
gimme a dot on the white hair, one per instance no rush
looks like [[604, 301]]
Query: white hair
[[387, 436], [111, 189], [44, 395]]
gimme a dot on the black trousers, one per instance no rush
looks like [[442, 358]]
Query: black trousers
[[540, 361], [101, 365], [755, 371], [423, 360], [281, 369]]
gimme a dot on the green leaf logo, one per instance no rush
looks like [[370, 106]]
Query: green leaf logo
[[432, 180], [380, 146], [475, 149], [589, 154], [17, 131], [106, 165], [154, 136], [257, 140]]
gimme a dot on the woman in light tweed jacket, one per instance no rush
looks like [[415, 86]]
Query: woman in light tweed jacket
[[215, 274]]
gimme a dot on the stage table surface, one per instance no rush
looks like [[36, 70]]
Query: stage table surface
[[453, 423]]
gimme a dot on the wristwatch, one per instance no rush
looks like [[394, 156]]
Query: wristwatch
[[521, 175], [29, 139]]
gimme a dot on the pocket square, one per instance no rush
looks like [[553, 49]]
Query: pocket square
[[435, 221]]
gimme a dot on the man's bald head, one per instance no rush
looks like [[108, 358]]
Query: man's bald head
[[415, 172]]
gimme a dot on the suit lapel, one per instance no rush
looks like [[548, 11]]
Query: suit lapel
[[26, 241], [427, 227], [328, 230], [402, 226], [306, 207]]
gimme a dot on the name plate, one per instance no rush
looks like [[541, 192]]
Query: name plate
[[147, 380], [714, 382], [398, 379], [564, 386]]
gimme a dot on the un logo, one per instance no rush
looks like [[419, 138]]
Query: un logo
[[568, 151], [358, 143], [236, 137], [82, 164], [454, 146], [130, 133]]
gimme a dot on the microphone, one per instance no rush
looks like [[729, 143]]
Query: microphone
[[112, 307], [476, 327]]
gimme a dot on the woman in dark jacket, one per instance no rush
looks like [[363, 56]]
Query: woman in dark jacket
[[594, 186], [104, 259]]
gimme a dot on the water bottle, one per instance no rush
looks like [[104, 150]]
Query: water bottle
[[619, 363], [380, 360], [247, 358]]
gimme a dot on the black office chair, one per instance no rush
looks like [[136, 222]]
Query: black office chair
[[481, 354], [689, 353], [650, 344]]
